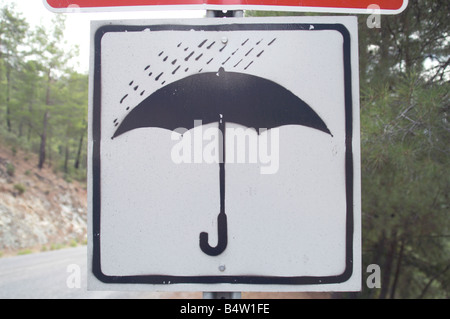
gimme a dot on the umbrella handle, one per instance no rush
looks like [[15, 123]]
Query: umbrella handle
[[222, 238]]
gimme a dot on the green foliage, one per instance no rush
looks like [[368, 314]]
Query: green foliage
[[56, 246], [25, 252], [19, 188], [43, 103], [405, 160], [405, 103], [73, 243], [10, 169]]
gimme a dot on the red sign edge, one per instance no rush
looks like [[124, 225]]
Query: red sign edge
[[77, 9]]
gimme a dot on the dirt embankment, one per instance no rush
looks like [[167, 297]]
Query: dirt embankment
[[38, 208]]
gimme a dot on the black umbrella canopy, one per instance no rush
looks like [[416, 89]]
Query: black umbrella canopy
[[239, 98], [221, 97]]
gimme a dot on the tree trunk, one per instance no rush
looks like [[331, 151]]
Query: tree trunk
[[397, 271], [66, 159], [8, 97], [78, 158], [49, 149], [43, 141], [29, 132], [406, 47], [382, 68], [45, 124], [387, 267]]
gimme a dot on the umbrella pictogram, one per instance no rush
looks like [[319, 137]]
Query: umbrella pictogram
[[223, 97]]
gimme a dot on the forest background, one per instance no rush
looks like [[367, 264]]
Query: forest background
[[405, 132]]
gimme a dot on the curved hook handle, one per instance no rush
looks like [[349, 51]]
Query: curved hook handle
[[222, 238]]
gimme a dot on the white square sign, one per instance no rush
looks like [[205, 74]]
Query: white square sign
[[224, 155]]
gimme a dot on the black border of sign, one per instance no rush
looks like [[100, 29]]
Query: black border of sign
[[246, 279]]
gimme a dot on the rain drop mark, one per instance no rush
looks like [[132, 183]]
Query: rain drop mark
[[235, 51], [187, 69], [174, 61], [223, 63], [128, 108], [272, 41], [238, 63], [115, 121], [249, 52], [257, 43], [161, 53], [209, 61], [200, 70], [131, 83], [248, 65], [175, 71], [147, 67], [163, 82], [189, 56], [211, 45], [150, 74], [259, 54], [243, 43], [201, 44], [159, 76], [116, 124], [187, 48], [136, 87], [198, 58], [223, 48], [165, 59], [123, 99], [179, 44], [142, 93]]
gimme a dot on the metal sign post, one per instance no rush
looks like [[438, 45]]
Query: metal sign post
[[222, 295], [224, 14]]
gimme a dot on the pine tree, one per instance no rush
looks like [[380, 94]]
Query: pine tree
[[12, 33]]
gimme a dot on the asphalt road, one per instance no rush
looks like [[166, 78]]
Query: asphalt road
[[45, 276]]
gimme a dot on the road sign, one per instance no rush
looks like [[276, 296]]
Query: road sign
[[225, 155], [336, 6]]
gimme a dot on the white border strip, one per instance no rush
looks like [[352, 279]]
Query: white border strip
[[226, 7]]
